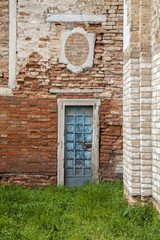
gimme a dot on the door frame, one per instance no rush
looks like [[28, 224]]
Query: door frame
[[62, 103]]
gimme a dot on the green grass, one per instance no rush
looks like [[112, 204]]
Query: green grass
[[91, 212]]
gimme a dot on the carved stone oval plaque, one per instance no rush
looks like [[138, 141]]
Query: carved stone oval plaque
[[77, 49]]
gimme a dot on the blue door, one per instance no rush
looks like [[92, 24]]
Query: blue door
[[78, 145]]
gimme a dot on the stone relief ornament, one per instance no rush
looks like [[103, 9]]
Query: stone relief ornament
[[77, 49]]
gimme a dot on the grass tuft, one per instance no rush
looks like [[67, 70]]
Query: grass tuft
[[91, 212]]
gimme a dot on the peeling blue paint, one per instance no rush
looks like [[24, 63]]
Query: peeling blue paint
[[78, 145]]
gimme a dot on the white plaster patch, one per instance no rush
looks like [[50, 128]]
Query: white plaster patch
[[75, 18], [91, 41], [5, 91], [106, 94]]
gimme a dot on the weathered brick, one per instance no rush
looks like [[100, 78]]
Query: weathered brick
[[29, 118]]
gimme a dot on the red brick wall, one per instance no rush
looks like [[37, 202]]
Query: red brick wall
[[28, 129], [28, 136], [111, 141]]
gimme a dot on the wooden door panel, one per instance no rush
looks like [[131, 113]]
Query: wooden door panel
[[78, 145]]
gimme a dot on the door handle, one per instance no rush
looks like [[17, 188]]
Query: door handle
[[87, 145]]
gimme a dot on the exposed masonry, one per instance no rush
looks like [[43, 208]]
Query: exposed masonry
[[141, 112], [28, 129]]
